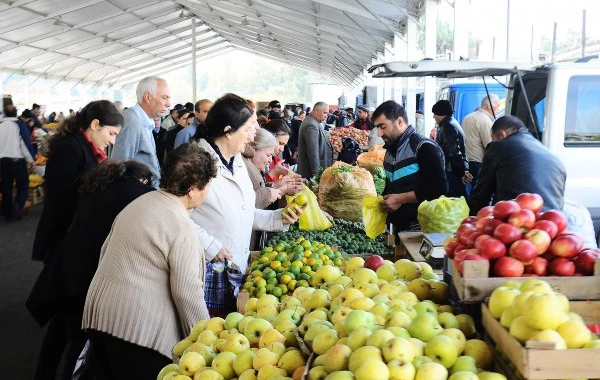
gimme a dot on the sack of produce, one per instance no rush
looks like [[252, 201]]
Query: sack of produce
[[374, 216], [372, 159], [312, 218], [336, 135], [442, 214], [342, 190]]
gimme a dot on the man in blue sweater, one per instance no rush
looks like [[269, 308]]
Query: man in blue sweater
[[135, 141]]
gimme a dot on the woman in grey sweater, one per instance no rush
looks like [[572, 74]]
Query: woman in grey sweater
[[148, 291]]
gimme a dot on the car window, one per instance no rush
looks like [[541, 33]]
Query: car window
[[582, 126]]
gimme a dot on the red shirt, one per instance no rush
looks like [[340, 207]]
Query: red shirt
[[100, 154]]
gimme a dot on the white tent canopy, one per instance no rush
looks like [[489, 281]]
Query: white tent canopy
[[117, 42]]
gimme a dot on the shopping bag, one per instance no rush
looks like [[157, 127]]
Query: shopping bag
[[442, 215], [312, 218], [374, 216]]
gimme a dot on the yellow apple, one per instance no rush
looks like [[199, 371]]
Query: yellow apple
[[543, 311], [291, 360], [216, 325], [431, 371], [575, 333], [501, 298], [400, 370], [271, 335], [379, 337], [263, 357], [372, 369], [243, 362], [361, 354], [223, 364], [324, 341], [550, 336], [407, 270], [337, 358], [268, 372], [397, 349], [354, 263], [480, 351]]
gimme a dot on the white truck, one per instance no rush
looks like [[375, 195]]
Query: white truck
[[559, 103]]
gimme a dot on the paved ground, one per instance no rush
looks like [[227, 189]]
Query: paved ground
[[20, 335]]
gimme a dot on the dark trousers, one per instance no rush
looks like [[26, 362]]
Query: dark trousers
[[455, 186], [64, 339], [12, 170], [113, 358], [474, 170]]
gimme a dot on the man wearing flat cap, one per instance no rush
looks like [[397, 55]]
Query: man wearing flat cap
[[451, 138], [362, 122]]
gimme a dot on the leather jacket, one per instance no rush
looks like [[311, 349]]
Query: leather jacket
[[451, 138], [519, 164]]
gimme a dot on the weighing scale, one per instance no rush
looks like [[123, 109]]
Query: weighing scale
[[432, 249]]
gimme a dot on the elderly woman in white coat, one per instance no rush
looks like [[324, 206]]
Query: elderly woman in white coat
[[228, 215]]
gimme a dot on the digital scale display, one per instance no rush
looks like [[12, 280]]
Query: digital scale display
[[432, 249]]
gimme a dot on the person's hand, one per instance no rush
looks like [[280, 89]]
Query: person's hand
[[223, 255], [391, 202], [279, 169], [467, 178], [274, 194], [328, 216], [290, 184], [290, 216]]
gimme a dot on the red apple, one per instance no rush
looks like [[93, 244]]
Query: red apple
[[523, 250], [539, 266], [547, 225], [562, 267], [459, 257], [450, 246], [507, 233], [522, 218], [469, 219], [548, 256], [472, 237], [463, 232], [485, 211], [566, 245], [480, 240], [373, 262], [585, 261], [482, 222], [530, 201], [557, 217], [492, 248], [491, 226], [508, 267], [503, 209], [540, 239]]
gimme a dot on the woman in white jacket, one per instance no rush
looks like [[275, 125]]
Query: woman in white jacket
[[227, 217]]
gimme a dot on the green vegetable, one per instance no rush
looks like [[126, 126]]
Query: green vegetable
[[379, 179]]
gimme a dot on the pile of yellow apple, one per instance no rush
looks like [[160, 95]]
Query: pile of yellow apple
[[358, 324], [533, 311]]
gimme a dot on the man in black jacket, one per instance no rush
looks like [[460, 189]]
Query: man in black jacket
[[451, 138], [514, 163]]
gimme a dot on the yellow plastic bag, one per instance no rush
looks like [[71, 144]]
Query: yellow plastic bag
[[313, 218], [374, 216], [442, 214]]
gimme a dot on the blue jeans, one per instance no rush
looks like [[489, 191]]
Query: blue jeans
[[11, 170]]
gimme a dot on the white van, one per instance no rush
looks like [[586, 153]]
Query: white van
[[560, 104]]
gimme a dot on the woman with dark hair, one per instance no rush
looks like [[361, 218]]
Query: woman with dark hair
[[148, 290], [228, 215], [182, 122], [104, 191], [78, 145], [279, 175]]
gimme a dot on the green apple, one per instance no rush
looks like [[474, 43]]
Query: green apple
[[363, 275], [420, 360], [223, 364], [409, 298], [317, 373], [418, 347], [440, 291], [466, 324], [340, 375], [424, 327], [442, 350], [232, 320], [267, 312], [270, 372], [169, 368], [320, 360], [359, 318], [190, 363], [320, 298], [337, 358], [431, 371], [216, 325], [420, 287], [324, 341], [335, 290], [400, 370], [237, 343], [249, 374], [448, 320], [340, 314], [343, 280], [367, 289], [181, 346], [244, 322], [426, 307], [575, 333], [291, 360], [381, 298], [276, 347], [463, 375], [204, 350], [397, 349], [358, 338], [407, 270], [262, 357], [290, 314], [290, 303], [327, 273], [501, 298], [386, 272], [480, 351], [543, 311], [361, 354], [208, 374], [267, 299], [490, 376], [317, 314], [379, 338], [400, 332], [397, 319], [464, 363], [243, 362], [255, 328], [207, 337], [196, 330], [551, 336], [536, 285], [431, 276], [314, 330], [372, 369], [458, 336]]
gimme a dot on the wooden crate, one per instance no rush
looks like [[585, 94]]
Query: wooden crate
[[541, 361], [242, 300], [475, 285]]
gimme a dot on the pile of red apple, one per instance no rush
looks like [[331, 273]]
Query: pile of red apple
[[521, 241]]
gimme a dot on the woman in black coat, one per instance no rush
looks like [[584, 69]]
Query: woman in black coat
[[78, 145]]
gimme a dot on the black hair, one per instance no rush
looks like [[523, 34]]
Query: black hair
[[182, 112], [185, 167], [229, 110], [10, 111], [277, 127], [102, 110], [35, 106], [100, 177], [189, 106], [391, 110], [508, 123]]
